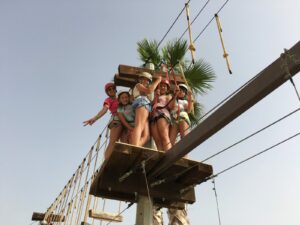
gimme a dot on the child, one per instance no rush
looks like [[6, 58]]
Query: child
[[111, 104], [161, 118], [142, 107], [181, 105], [126, 115]]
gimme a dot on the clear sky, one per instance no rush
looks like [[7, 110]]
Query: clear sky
[[55, 57]]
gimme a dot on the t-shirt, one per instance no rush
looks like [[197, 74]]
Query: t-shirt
[[127, 112], [112, 105]]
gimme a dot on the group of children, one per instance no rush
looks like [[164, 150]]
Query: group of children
[[135, 116]]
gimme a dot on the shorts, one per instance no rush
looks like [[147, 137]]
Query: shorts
[[141, 101], [156, 118], [183, 116], [114, 122]]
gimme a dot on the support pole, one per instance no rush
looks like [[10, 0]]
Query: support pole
[[144, 211]]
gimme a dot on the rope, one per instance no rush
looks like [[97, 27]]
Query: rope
[[225, 54], [72, 196], [86, 183], [217, 201], [78, 188], [93, 176], [191, 47], [210, 21]]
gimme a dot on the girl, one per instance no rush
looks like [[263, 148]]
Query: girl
[[126, 115], [181, 106], [111, 104], [161, 118], [142, 107]]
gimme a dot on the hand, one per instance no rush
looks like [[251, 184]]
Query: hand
[[89, 122]]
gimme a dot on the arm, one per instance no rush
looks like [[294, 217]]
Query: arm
[[190, 105], [172, 104], [124, 122], [151, 88], [98, 116]]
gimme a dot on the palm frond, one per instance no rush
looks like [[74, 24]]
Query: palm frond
[[174, 52], [195, 116], [149, 52], [199, 76]]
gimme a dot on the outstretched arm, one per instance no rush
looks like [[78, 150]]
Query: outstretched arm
[[95, 118]]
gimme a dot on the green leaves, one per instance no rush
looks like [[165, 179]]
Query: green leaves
[[149, 52], [199, 76], [174, 52]]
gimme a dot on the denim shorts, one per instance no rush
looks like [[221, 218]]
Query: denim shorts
[[141, 101]]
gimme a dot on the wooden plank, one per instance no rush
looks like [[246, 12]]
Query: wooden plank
[[125, 157], [124, 81], [52, 218], [100, 215], [267, 81], [133, 72]]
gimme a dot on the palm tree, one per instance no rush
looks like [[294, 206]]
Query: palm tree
[[199, 75]]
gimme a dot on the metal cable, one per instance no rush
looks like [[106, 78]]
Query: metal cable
[[251, 135], [210, 21], [255, 155], [159, 43], [217, 201], [198, 14]]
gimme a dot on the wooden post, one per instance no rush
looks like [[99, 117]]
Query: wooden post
[[144, 211]]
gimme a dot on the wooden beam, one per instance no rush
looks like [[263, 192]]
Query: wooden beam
[[52, 218], [128, 75], [267, 81], [100, 215], [126, 157]]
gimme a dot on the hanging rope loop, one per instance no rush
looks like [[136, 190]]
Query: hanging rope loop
[[191, 46], [225, 53]]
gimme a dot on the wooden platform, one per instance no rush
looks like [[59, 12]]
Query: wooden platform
[[126, 157], [52, 218], [128, 75]]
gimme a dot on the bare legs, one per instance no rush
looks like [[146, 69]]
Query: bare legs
[[140, 132], [182, 128], [115, 133]]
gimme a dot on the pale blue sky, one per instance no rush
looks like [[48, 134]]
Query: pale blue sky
[[55, 57]]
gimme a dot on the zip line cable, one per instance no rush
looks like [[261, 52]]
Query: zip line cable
[[159, 43], [241, 162], [255, 155], [210, 21], [251, 135], [198, 14], [175, 176]]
